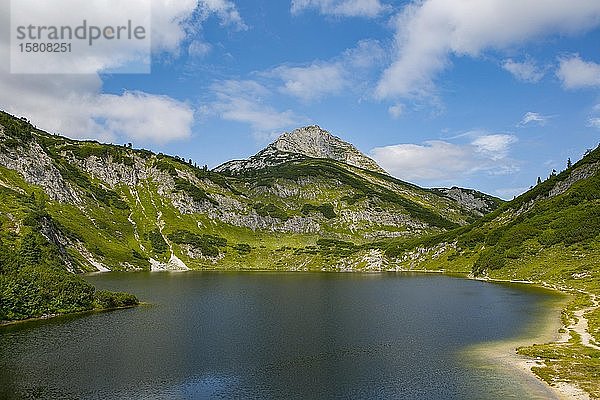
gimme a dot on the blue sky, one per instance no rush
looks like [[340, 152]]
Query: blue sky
[[488, 94]]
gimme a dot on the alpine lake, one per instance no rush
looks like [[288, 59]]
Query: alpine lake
[[272, 335]]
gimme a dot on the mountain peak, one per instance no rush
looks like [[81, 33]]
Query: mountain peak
[[309, 141]]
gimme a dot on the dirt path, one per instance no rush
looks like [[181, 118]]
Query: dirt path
[[581, 326]]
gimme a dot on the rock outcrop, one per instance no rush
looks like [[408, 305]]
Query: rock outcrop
[[471, 200]]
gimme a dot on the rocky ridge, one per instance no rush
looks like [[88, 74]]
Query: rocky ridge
[[472, 200]]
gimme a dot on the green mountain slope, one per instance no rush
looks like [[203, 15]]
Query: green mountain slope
[[118, 208], [551, 233]]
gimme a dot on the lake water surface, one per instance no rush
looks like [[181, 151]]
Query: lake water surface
[[277, 336]]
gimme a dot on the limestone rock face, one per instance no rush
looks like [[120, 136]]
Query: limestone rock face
[[471, 200], [37, 168], [577, 175], [310, 141]]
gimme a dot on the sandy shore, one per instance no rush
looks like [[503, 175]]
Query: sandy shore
[[503, 355]]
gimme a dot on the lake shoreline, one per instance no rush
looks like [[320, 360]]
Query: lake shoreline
[[554, 331], [502, 353], [506, 352], [48, 317]]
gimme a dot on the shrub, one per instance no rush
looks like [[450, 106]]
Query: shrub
[[351, 200], [243, 248], [33, 291], [137, 256], [157, 241], [471, 239], [489, 259], [105, 299], [271, 210], [165, 166], [16, 128], [196, 193], [337, 247], [325, 209], [207, 244], [85, 150]]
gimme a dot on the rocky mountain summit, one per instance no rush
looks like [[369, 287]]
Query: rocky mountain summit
[[310, 141]]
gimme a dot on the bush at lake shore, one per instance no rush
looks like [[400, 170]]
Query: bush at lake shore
[[33, 292], [104, 299]]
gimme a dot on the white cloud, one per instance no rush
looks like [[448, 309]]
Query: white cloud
[[199, 48], [437, 160], [313, 81], [243, 101], [74, 105], [526, 71], [345, 8], [396, 110], [509, 193], [433, 160], [594, 122], [494, 147], [575, 73], [366, 54], [82, 56], [428, 32], [226, 11], [533, 117], [322, 78], [174, 21], [248, 101], [169, 23], [141, 116]]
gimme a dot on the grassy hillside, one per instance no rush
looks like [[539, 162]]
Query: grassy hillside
[[558, 219], [33, 279]]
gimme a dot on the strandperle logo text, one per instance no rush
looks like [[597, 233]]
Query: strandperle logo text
[[80, 36], [84, 31]]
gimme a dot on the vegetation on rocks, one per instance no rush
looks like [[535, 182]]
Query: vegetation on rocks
[[326, 210], [271, 210], [208, 245]]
